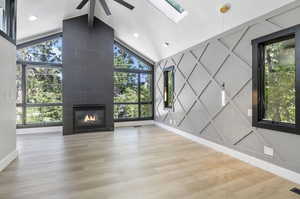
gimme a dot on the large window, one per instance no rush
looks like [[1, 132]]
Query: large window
[[8, 19], [275, 90], [39, 83], [168, 86], [133, 86]]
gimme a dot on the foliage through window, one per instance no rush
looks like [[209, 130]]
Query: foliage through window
[[49, 51], [39, 83], [43, 85], [279, 84], [133, 86], [274, 85], [169, 87]]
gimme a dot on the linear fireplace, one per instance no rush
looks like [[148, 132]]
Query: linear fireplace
[[88, 117]]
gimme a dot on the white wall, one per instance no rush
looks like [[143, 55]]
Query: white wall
[[7, 102]]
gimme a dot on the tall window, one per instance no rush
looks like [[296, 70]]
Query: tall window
[[133, 86], [8, 19], [168, 86], [276, 64], [39, 83]]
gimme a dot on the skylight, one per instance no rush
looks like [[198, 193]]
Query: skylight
[[170, 8], [175, 5]]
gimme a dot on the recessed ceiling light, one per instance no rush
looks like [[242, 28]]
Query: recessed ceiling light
[[32, 18], [166, 44], [136, 35]]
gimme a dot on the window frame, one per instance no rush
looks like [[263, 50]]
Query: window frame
[[24, 64], [139, 72], [10, 20], [258, 46], [166, 71]]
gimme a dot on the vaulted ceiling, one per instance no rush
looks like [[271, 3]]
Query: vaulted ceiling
[[154, 28]]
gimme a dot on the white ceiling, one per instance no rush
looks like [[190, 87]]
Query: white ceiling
[[202, 22]]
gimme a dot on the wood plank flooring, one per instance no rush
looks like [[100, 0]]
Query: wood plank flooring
[[132, 163]]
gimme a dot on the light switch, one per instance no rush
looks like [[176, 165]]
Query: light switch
[[250, 112]]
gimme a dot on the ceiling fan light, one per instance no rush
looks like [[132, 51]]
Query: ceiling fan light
[[225, 8]]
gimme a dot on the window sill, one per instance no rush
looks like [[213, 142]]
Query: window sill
[[134, 123], [133, 119], [38, 125], [282, 127]]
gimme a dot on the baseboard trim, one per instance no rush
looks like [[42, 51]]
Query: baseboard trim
[[50, 129], [267, 166], [134, 123], [8, 159]]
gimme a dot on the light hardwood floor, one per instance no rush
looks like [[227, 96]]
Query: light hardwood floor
[[132, 163]]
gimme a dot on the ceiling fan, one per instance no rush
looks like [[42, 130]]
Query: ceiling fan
[[104, 6]]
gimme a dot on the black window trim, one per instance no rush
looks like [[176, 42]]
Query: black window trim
[[166, 88], [258, 80], [11, 20], [139, 72], [39, 40]]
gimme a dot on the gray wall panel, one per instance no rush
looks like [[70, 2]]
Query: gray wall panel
[[199, 79], [211, 134], [227, 58], [214, 56]]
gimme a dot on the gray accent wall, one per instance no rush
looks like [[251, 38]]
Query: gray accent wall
[[200, 72], [7, 97], [87, 68]]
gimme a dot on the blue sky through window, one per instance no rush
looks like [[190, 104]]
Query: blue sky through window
[[124, 59]]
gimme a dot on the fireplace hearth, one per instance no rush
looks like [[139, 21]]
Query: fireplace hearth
[[88, 117]]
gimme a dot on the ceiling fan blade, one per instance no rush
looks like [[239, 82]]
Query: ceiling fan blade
[[105, 7], [124, 3], [82, 4]]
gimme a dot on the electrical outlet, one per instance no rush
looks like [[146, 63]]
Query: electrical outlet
[[268, 151], [250, 112]]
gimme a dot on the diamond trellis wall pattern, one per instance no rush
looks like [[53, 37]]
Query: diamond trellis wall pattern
[[199, 74]]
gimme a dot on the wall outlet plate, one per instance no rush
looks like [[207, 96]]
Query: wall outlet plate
[[268, 151], [250, 112]]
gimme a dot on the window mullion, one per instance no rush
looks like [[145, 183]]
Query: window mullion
[[24, 94], [139, 93], [297, 80]]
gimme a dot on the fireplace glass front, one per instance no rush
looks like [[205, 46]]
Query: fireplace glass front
[[88, 117]]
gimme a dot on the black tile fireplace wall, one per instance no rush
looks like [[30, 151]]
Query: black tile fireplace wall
[[88, 68]]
